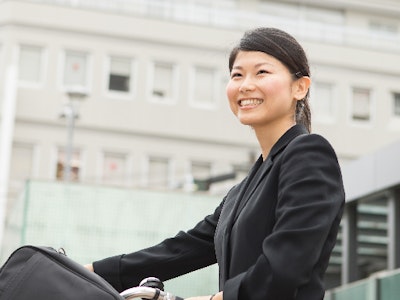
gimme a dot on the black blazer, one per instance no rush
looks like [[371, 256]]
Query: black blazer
[[272, 235]]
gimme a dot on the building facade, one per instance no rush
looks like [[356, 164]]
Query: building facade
[[132, 93]]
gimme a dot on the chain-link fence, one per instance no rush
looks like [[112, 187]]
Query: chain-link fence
[[94, 222]]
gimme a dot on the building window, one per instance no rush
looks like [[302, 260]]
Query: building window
[[74, 165], [322, 101], [119, 79], [201, 173], [30, 64], [361, 110], [205, 87], [164, 82], [396, 104], [387, 29], [158, 173], [21, 162], [201, 170], [75, 71], [114, 168]]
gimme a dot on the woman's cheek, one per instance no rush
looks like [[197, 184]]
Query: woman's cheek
[[231, 95]]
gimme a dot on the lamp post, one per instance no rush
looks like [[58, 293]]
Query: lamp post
[[70, 113]]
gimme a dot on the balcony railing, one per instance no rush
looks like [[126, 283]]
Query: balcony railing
[[227, 14]]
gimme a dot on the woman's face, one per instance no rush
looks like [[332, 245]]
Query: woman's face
[[260, 90]]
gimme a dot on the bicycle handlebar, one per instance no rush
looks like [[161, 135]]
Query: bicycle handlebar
[[148, 293]]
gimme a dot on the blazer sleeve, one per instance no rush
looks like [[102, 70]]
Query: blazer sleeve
[[186, 252], [310, 202]]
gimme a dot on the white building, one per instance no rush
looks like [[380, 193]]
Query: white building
[[153, 73]]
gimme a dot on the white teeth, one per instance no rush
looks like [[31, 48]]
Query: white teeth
[[250, 102]]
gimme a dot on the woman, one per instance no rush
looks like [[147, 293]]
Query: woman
[[273, 233]]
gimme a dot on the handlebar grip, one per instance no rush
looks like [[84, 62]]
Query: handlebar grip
[[147, 293], [149, 288], [153, 282]]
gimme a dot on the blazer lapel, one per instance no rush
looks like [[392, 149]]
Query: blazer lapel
[[253, 183], [257, 173], [262, 171], [228, 214]]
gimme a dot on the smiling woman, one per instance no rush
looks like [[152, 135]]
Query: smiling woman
[[263, 94], [274, 52], [273, 233]]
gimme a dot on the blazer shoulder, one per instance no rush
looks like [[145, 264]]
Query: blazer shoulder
[[311, 139], [310, 143]]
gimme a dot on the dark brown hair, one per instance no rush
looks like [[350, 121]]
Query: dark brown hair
[[288, 51]]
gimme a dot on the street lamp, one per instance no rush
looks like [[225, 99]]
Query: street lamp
[[70, 113]]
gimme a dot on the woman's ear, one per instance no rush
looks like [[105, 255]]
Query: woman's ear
[[301, 87]]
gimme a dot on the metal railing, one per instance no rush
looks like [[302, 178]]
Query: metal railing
[[226, 14]]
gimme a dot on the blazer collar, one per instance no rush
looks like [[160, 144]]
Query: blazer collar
[[261, 168], [285, 139]]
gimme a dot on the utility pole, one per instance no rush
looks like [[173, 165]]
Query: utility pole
[[70, 113]]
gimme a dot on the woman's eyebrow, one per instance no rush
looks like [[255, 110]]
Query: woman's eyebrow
[[238, 67]]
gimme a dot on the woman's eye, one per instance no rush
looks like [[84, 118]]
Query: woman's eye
[[235, 75], [262, 72]]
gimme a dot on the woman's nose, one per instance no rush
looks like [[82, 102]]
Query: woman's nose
[[246, 86]]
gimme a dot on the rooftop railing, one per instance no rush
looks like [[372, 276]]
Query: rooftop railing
[[227, 14]]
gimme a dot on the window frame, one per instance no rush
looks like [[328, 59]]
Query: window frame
[[326, 119], [169, 165], [33, 172], [175, 83], [394, 100], [127, 178], [192, 88], [62, 149], [132, 80], [204, 164], [382, 27], [360, 122], [42, 66], [85, 89]]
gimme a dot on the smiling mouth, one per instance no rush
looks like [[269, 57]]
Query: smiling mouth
[[250, 102]]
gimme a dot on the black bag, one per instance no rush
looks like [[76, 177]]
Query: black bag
[[42, 273]]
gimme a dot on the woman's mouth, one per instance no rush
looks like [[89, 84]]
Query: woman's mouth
[[250, 102]]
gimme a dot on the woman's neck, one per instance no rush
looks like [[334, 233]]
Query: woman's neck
[[268, 136]]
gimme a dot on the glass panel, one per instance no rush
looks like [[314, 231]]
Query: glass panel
[[75, 69], [30, 60], [114, 169], [396, 100], [204, 86], [385, 29], [158, 172], [323, 100], [74, 163], [361, 104], [163, 81], [120, 71], [201, 170], [21, 162]]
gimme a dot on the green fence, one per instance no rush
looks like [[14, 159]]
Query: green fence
[[93, 222], [381, 286]]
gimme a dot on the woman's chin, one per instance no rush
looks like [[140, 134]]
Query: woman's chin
[[246, 121]]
